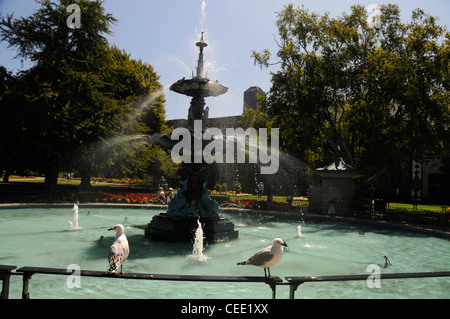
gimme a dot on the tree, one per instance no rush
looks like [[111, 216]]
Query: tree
[[62, 90], [376, 96], [254, 118], [135, 88], [11, 111], [79, 93]]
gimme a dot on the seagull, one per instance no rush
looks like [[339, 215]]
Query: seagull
[[119, 250], [268, 256]]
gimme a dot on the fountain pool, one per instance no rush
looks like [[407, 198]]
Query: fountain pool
[[42, 237]]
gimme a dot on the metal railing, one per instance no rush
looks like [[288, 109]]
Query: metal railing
[[292, 281], [28, 272]]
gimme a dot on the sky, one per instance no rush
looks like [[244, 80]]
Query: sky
[[163, 34]]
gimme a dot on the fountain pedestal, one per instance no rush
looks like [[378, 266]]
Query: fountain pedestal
[[179, 228], [192, 200]]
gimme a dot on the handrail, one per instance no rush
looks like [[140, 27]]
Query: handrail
[[294, 282], [30, 271]]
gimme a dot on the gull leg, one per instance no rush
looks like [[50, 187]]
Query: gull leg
[[270, 277]]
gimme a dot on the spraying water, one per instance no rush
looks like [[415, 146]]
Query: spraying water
[[197, 250], [299, 231], [115, 140], [74, 225], [148, 99], [202, 24]]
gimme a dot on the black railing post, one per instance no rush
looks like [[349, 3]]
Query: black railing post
[[26, 279], [272, 282], [5, 276], [293, 287]]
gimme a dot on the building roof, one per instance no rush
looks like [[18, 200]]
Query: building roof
[[337, 168], [254, 88]]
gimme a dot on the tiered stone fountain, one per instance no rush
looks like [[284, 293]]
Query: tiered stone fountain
[[192, 201]]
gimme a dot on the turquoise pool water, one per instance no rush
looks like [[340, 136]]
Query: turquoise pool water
[[43, 237]]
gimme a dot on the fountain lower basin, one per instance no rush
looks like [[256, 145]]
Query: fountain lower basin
[[41, 237]]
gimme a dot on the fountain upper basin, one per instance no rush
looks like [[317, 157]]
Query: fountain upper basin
[[198, 86]]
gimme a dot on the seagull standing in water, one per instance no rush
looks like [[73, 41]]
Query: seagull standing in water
[[119, 250], [268, 256]]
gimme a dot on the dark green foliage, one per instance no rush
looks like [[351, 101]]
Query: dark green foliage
[[62, 112], [378, 97]]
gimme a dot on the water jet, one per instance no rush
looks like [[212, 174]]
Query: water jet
[[74, 225], [299, 231]]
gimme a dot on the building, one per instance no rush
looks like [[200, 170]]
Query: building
[[250, 98], [429, 181], [338, 187]]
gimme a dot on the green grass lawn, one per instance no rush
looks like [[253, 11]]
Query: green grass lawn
[[279, 199], [40, 180]]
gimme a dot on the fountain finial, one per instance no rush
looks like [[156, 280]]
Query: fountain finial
[[201, 44], [199, 86]]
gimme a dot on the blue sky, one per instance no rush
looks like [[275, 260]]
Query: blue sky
[[163, 33]]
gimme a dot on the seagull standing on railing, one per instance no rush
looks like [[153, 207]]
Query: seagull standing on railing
[[268, 256], [119, 250]]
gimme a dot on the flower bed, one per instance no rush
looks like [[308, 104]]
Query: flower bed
[[137, 198]]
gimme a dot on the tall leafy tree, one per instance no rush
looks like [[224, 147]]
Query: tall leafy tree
[[62, 90], [375, 95], [78, 93], [122, 152]]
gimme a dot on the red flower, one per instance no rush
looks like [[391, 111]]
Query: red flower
[[129, 197]]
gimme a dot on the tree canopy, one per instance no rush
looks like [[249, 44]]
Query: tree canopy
[[375, 94], [62, 113]]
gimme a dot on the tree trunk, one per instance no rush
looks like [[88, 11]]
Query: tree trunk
[[85, 180], [6, 176], [51, 176]]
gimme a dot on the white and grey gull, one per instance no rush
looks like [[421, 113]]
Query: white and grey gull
[[268, 256], [119, 250]]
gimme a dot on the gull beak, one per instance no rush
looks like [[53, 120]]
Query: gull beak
[[111, 228], [284, 244]]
